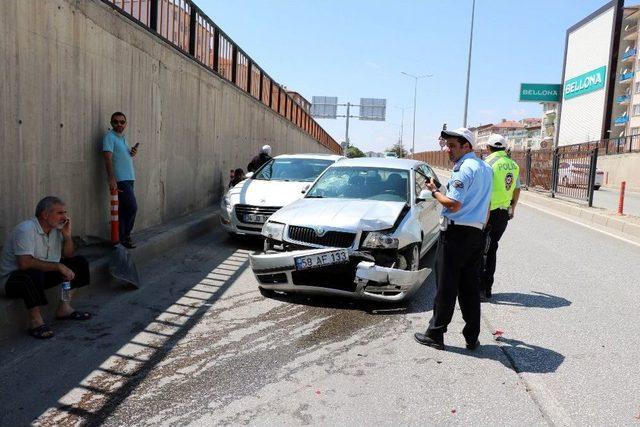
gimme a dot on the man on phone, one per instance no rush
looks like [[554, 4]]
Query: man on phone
[[38, 255], [118, 159]]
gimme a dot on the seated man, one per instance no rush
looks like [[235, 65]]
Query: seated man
[[38, 255]]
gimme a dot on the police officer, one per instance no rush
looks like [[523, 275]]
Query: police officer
[[504, 197], [460, 244]]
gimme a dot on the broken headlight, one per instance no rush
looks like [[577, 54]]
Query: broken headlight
[[380, 240]]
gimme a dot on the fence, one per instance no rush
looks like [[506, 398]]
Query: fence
[[183, 25], [568, 171]]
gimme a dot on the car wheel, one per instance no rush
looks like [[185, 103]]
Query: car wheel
[[596, 187], [564, 181], [267, 293], [413, 257]]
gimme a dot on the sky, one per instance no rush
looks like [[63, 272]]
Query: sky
[[356, 49]]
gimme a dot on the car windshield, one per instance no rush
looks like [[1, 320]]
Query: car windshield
[[291, 169], [369, 183]]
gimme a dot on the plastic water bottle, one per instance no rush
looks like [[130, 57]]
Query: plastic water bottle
[[65, 294]]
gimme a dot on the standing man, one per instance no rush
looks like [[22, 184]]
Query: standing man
[[38, 255], [118, 159], [460, 244], [504, 197], [263, 157]]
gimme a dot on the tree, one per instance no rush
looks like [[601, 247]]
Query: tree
[[354, 151], [400, 151]]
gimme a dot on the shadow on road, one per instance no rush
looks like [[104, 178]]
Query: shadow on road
[[532, 300], [516, 355], [83, 374]]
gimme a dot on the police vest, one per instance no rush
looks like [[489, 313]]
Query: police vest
[[505, 176]]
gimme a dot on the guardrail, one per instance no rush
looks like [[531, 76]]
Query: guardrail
[[182, 24]]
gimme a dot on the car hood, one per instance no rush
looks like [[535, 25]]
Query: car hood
[[352, 214], [266, 193]]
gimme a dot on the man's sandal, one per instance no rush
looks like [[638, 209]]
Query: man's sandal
[[76, 315], [41, 332]]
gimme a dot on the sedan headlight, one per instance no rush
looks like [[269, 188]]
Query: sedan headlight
[[273, 230], [380, 240]]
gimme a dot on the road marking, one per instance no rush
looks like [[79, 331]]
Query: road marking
[[580, 223]]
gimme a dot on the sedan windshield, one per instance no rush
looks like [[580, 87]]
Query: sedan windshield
[[304, 170], [362, 183]]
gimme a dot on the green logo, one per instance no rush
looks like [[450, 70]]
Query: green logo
[[585, 83], [537, 92]]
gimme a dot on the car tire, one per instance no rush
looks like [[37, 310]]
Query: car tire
[[267, 293], [564, 181], [596, 187]]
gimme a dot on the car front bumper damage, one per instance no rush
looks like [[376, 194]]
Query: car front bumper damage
[[360, 278]]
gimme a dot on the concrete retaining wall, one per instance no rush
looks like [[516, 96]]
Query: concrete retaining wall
[[66, 66], [622, 167]]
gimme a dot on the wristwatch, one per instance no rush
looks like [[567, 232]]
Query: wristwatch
[[433, 193]]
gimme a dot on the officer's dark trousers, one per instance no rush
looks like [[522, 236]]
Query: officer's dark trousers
[[498, 219], [458, 263], [127, 208]]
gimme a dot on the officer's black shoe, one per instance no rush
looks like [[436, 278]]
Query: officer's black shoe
[[473, 346], [424, 339], [487, 293]]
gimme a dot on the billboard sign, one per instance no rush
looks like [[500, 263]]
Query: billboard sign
[[540, 92], [585, 83], [373, 109], [324, 107]]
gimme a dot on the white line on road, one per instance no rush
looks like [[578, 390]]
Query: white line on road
[[580, 223]]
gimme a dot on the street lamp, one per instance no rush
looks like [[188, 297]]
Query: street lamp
[[466, 96], [401, 140], [415, 95]]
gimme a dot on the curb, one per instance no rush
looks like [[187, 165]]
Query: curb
[[151, 242]]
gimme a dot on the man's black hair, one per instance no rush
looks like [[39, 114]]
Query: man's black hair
[[116, 114], [494, 149]]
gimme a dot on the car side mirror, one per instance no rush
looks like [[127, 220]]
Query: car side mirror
[[424, 196], [306, 187], [248, 175]]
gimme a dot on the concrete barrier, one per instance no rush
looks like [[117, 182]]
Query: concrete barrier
[[66, 66], [621, 167]]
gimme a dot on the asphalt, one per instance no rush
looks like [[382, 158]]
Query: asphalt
[[199, 345]]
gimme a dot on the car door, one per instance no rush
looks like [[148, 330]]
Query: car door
[[425, 210], [434, 207]]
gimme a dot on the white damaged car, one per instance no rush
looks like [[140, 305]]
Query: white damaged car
[[280, 181], [360, 231]]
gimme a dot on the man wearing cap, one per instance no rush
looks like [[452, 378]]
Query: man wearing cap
[[460, 244], [504, 197], [263, 157]]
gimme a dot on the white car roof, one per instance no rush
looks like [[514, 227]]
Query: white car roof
[[333, 157], [379, 162]]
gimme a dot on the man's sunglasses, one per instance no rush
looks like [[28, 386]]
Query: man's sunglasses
[[119, 122]]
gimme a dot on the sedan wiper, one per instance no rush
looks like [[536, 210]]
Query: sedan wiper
[[314, 197]]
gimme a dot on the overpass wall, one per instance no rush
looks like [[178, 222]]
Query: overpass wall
[[66, 66]]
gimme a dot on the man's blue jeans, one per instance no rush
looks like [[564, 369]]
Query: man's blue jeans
[[127, 208]]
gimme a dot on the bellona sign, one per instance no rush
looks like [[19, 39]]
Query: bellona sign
[[585, 83], [539, 92]]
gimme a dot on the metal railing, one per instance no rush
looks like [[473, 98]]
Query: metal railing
[[183, 25], [567, 171]]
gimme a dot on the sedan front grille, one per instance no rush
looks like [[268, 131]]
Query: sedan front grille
[[334, 239], [250, 209]]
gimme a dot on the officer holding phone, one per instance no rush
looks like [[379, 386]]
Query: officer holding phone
[[460, 244], [118, 158]]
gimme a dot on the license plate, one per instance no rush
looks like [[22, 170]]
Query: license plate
[[256, 218], [320, 260]]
